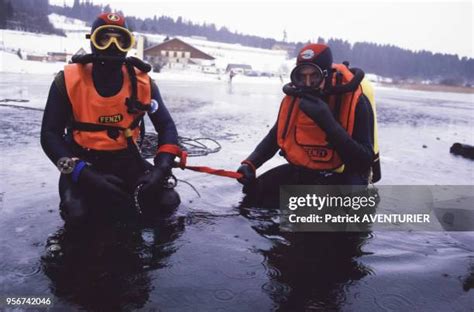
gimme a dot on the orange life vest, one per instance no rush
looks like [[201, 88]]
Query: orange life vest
[[88, 106], [303, 142]]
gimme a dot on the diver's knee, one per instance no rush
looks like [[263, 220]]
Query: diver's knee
[[262, 192], [73, 211], [162, 202], [74, 220], [169, 198], [252, 188]]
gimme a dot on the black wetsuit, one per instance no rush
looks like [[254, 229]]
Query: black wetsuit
[[123, 164], [356, 153]]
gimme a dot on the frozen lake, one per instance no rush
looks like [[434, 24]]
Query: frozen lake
[[213, 255]]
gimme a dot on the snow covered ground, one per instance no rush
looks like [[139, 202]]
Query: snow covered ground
[[41, 44], [11, 63], [68, 24]]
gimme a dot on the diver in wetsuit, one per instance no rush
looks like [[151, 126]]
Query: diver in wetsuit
[[325, 129], [92, 121]]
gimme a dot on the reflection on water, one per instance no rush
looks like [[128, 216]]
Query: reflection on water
[[106, 267], [308, 271], [317, 267]]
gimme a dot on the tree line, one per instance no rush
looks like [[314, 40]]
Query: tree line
[[84, 10], [403, 64], [26, 15]]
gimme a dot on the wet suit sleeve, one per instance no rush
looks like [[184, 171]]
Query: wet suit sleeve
[[57, 114], [356, 152], [164, 125], [266, 149]]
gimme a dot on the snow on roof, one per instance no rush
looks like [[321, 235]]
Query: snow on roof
[[194, 50], [244, 66]]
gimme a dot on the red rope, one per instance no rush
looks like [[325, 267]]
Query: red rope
[[183, 156]]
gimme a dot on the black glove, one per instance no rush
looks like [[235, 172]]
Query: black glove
[[318, 111], [248, 174], [351, 152], [103, 185], [153, 179]]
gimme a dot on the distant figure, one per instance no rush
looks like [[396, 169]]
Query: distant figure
[[231, 75], [19, 54], [326, 130], [101, 100]]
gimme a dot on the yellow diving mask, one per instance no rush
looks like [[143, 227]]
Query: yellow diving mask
[[106, 35]]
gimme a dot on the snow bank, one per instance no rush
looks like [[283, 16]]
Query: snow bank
[[67, 23], [11, 63], [33, 43]]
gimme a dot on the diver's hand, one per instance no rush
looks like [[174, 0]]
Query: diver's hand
[[248, 174], [103, 184], [318, 111], [164, 160], [152, 179]]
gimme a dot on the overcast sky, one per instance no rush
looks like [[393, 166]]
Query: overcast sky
[[438, 26]]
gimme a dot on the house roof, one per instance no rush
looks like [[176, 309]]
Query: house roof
[[81, 51], [244, 66], [195, 53]]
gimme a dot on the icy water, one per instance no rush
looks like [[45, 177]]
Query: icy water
[[213, 255]]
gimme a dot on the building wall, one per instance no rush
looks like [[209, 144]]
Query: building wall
[[177, 46], [176, 52], [168, 57]]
